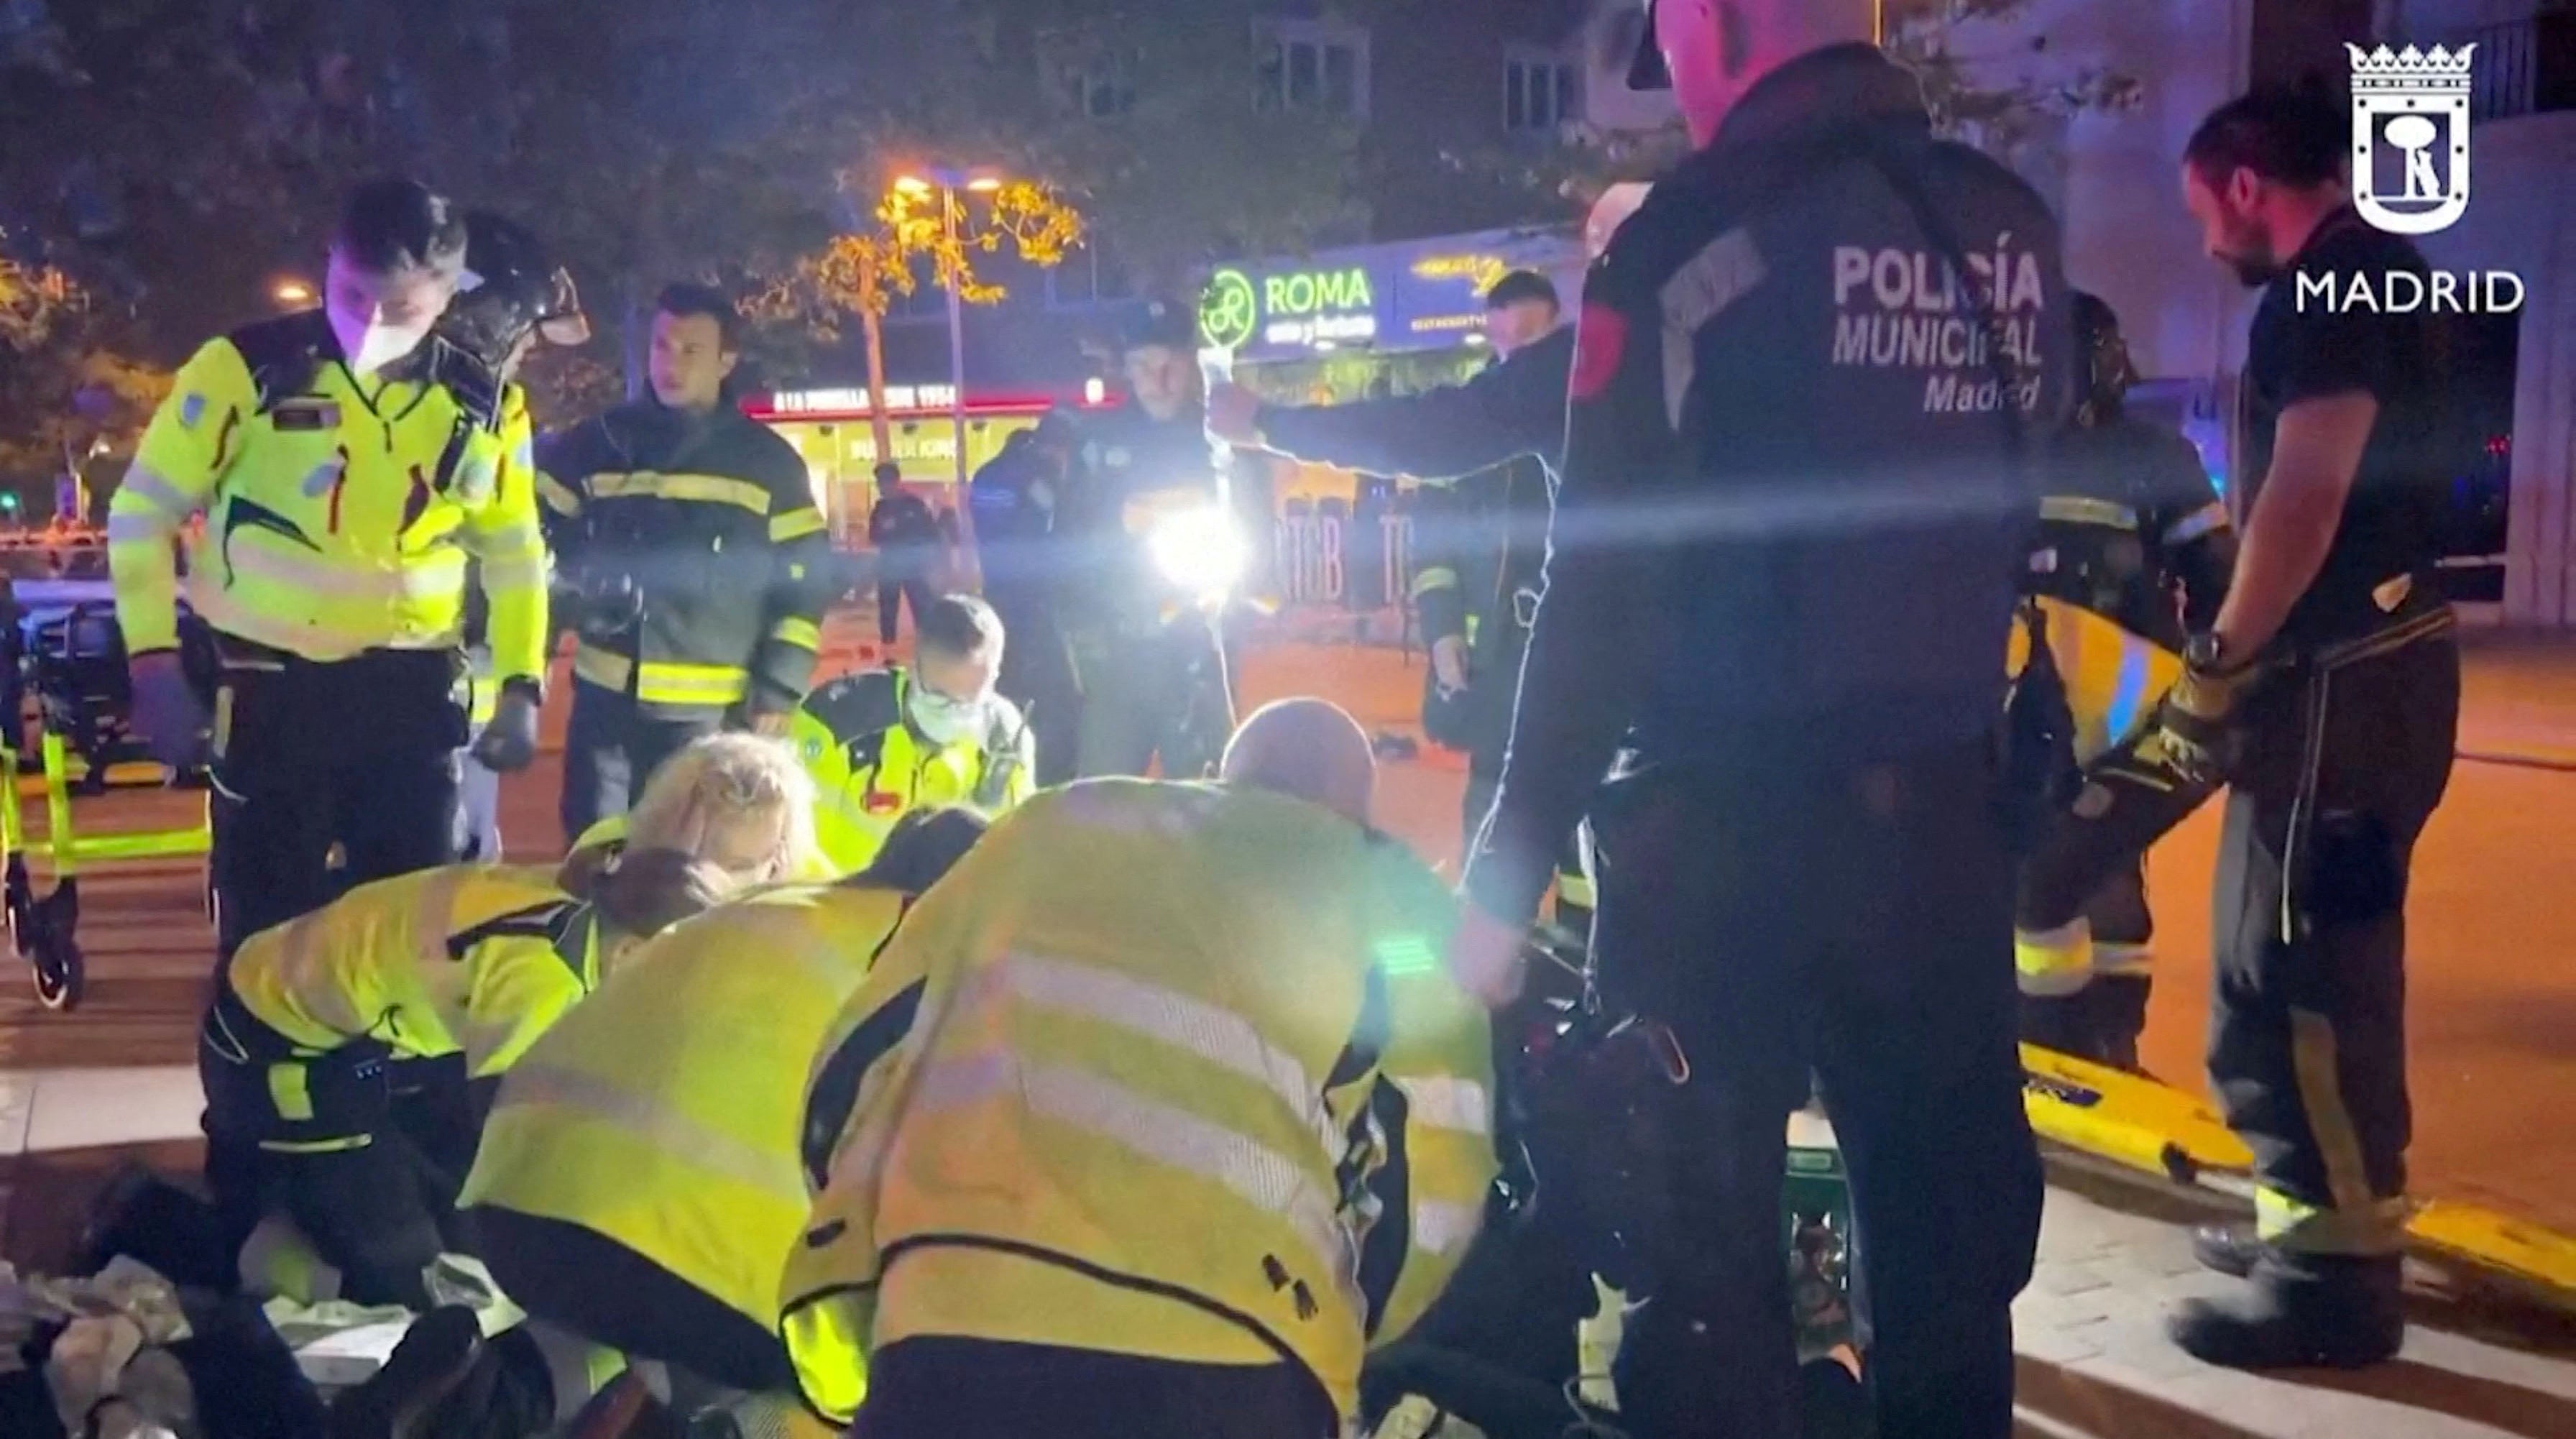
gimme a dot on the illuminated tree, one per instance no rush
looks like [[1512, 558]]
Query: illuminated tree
[[863, 271], [33, 299]]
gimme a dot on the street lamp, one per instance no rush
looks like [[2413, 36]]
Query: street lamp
[[292, 292], [946, 184]]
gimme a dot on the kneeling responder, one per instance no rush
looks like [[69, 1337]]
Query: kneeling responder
[[2134, 554], [884, 742], [644, 1196], [465, 961], [689, 540], [1151, 1119], [348, 464]]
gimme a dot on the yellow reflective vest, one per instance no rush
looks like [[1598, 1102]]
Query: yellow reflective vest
[[340, 512], [871, 766], [665, 1113], [467, 959], [1159, 1069]]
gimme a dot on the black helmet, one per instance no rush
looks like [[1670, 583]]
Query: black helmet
[[2108, 370], [1161, 323], [510, 288]]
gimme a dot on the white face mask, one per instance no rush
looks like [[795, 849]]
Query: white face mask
[[945, 721], [370, 347]]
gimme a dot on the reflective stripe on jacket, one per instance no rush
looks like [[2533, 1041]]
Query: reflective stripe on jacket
[[1159, 1069], [714, 519], [340, 513], [871, 767], [665, 1112], [470, 959]]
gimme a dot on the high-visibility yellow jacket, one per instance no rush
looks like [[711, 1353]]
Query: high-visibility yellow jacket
[[340, 512], [713, 521], [665, 1113], [1159, 1069], [475, 960], [871, 766]]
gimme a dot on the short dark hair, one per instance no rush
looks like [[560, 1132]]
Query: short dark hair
[[885, 471], [390, 226], [683, 299], [2289, 137], [921, 848], [1523, 287], [958, 625]]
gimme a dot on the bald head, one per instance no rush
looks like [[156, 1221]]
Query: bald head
[[1306, 749]]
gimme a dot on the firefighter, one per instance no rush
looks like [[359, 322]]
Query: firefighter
[[691, 542], [1779, 574], [2327, 695], [2134, 553], [1111, 1137], [884, 742], [1154, 669], [1485, 450], [465, 964], [348, 464], [644, 1197]]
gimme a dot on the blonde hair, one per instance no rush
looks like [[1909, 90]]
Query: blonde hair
[[737, 801]]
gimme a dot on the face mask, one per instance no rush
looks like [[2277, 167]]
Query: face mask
[[370, 348], [944, 720]]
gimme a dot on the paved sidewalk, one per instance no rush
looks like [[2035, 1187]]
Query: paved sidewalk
[[2094, 1361]]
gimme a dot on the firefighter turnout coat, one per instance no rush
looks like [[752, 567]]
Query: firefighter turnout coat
[[712, 522], [1160, 1069]]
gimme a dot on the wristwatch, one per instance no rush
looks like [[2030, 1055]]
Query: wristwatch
[[2205, 652]]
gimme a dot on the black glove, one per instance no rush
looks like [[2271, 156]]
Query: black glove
[[508, 743], [167, 711], [2195, 723]]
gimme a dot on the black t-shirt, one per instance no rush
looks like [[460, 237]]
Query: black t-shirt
[[2306, 346]]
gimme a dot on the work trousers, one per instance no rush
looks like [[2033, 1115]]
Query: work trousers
[[1853, 927], [1038, 676], [583, 1281], [910, 581], [944, 1388], [346, 1144], [358, 754], [2347, 755], [1153, 701], [611, 750], [2089, 864]]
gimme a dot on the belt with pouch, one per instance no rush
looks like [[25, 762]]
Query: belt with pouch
[[307, 1101]]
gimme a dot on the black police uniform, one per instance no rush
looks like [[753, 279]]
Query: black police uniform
[[1014, 498], [2133, 536], [1782, 570], [1144, 671], [700, 569], [906, 538], [2348, 749]]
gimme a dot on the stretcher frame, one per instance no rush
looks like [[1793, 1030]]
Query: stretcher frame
[[44, 927]]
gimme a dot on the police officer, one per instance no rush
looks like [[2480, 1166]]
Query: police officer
[[691, 537], [1014, 497], [1781, 568], [1480, 530], [884, 742], [2134, 553], [2327, 695], [347, 465], [1154, 673]]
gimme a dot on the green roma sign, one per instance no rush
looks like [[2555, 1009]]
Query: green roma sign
[[1291, 308]]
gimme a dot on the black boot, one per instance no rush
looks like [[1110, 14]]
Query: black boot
[[2300, 1311], [2230, 1249], [436, 1355], [2119, 1016], [145, 1218]]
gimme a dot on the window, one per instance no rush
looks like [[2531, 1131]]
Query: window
[[1101, 86], [1541, 92], [1313, 66], [1087, 278]]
